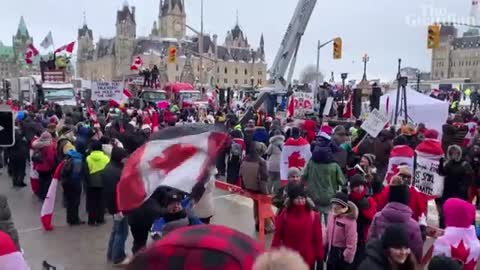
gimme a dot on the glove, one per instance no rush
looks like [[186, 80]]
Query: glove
[[363, 204]]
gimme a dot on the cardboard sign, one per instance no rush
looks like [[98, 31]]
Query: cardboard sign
[[375, 123], [328, 106], [107, 91], [303, 100], [427, 180]]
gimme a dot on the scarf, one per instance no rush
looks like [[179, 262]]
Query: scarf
[[357, 196]]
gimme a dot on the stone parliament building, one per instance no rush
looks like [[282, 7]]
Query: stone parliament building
[[231, 64]]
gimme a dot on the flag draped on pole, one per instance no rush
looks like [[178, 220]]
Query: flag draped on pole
[[400, 155], [68, 48], [30, 53], [347, 110], [10, 257], [48, 206], [47, 41], [295, 153], [137, 63], [179, 157]]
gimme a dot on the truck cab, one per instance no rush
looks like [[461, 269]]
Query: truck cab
[[183, 94], [150, 96], [57, 90]]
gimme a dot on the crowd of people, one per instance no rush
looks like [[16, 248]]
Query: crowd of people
[[336, 210]]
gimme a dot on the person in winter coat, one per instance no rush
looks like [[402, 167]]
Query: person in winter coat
[[44, 161], [323, 178], [341, 233], [17, 157], [473, 157], [83, 137], [274, 152], [260, 135], [459, 219], [390, 251], [254, 175], [309, 126], [397, 211], [381, 149], [110, 177], [444, 263], [367, 208], [96, 163], [6, 223], [235, 156], [458, 178], [73, 175], [281, 196], [65, 142], [298, 227]]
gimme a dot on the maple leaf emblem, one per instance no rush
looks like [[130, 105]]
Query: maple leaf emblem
[[461, 253], [296, 160], [172, 157]]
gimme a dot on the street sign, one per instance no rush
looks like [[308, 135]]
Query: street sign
[[7, 128]]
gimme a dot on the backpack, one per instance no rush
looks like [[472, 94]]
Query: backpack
[[236, 150], [37, 156], [72, 170]]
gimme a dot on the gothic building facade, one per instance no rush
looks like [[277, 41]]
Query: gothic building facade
[[231, 64], [12, 62]]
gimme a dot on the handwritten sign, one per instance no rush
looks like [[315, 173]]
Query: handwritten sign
[[427, 180], [375, 123], [328, 106], [303, 100], [107, 91]]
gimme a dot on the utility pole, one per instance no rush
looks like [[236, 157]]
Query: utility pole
[[397, 102], [365, 59], [418, 81], [200, 45], [318, 68]]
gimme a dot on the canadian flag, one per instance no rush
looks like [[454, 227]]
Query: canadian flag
[[68, 48], [472, 131], [92, 114], [347, 110], [48, 206], [10, 257], [291, 107], [400, 155], [295, 153], [123, 98], [30, 53], [137, 63]]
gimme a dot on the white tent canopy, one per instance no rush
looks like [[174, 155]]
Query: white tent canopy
[[421, 109]]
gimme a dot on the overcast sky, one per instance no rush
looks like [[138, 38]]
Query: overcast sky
[[385, 29]]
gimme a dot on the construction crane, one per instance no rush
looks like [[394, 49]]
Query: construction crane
[[286, 57]]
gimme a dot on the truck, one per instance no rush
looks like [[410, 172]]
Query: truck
[[23, 89], [55, 88]]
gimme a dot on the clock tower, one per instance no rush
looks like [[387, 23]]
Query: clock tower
[[172, 19]]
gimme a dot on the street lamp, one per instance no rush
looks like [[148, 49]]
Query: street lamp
[[344, 77], [365, 59], [418, 80]]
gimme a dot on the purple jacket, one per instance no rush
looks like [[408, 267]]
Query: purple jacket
[[398, 213]]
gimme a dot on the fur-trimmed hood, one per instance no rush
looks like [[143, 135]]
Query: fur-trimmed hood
[[456, 147], [277, 140], [352, 212]]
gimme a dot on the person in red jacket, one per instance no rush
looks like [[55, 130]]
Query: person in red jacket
[[367, 208], [44, 161], [417, 201], [298, 227]]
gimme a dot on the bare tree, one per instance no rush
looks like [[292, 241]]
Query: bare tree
[[309, 75]]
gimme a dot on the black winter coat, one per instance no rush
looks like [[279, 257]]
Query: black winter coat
[[374, 259], [110, 177]]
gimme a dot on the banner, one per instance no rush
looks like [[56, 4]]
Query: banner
[[106, 91], [427, 180], [302, 102], [375, 123]]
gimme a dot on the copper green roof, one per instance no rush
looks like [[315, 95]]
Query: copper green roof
[[6, 52]]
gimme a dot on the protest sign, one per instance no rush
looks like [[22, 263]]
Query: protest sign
[[106, 91], [375, 123], [328, 106], [427, 180]]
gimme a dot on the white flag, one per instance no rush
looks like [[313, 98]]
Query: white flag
[[47, 41]]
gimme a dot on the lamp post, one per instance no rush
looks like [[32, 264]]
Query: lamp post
[[344, 77], [418, 80], [365, 59]]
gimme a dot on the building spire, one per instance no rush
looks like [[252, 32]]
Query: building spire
[[84, 18], [237, 23]]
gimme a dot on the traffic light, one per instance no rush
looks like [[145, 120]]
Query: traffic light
[[433, 36], [337, 48], [172, 54]]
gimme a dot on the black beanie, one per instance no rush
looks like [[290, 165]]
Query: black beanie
[[357, 180], [340, 198], [399, 194], [444, 263], [295, 190], [395, 236]]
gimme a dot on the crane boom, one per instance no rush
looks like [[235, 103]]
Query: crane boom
[[291, 40]]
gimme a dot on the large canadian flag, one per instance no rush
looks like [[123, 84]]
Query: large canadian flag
[[295, 153], [67, 48], [48, 206], [123, 98], [472, 131], [179, 157], [400, 155], [30, 53]]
